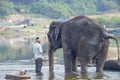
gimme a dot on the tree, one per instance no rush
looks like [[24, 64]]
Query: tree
[[6, 8]]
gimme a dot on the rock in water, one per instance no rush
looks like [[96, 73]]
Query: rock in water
[[112, 65]]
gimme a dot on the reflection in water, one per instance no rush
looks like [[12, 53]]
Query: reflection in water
[[71, 76], [77, 76], [84, 76], [39, 78], [95, 76], [16, 48], [51, 76], [99, 76]]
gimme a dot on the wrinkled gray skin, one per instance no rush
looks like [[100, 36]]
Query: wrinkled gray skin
[[82, 38]]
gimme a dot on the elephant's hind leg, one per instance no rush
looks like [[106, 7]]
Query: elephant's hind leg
[[84, 67], [101, 58], [74, 63], [100, 62]]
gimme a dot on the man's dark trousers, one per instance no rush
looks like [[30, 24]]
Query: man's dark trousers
[[38, 65]]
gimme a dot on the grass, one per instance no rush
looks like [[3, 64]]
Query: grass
[[113, 43], [7, 33]]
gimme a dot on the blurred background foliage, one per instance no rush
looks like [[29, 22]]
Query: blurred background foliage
[[56, 9]]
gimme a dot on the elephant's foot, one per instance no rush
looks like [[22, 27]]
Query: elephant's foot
[[99, 70], [83, 69], [74, 70], [68, 71]]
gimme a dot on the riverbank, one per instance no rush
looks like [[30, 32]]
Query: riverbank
[[112, 53], [11, 33]]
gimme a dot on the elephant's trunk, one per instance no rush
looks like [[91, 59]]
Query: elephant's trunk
[[109, 36], [51, 57], [52, 40]]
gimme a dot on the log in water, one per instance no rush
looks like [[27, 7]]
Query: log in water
[[17, 76]]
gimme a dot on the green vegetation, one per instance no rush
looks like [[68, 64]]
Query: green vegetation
[[6, 8], [7, 33], [113, 43], [63, 9], [113, 21], [58, 8]]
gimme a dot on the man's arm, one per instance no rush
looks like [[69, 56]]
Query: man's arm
[[40, 49]]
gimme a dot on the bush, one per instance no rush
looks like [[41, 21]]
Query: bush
[[113, 21]]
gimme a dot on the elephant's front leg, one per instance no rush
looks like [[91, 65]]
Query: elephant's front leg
[[67, 60]]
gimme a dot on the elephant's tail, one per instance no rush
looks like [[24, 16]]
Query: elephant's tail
[[110, 36]]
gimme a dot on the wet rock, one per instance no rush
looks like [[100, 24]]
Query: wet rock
[[112, 65]]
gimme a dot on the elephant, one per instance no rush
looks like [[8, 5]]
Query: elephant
[[112, 65], [81, 38]]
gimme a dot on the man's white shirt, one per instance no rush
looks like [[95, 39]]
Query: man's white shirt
[[37, 50]]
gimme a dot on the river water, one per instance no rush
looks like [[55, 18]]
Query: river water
[[15, 67], [16, 55]]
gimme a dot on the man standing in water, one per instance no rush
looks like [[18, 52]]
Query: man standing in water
[[37, 51]]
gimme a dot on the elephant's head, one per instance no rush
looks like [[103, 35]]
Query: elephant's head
[[54, 39], [54, 35]]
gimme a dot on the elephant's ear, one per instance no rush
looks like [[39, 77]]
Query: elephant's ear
[[56, 33], [55, 26]]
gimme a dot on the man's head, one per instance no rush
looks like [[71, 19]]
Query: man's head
[[37, 39]]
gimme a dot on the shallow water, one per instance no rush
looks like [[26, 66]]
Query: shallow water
[[15, 67]]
